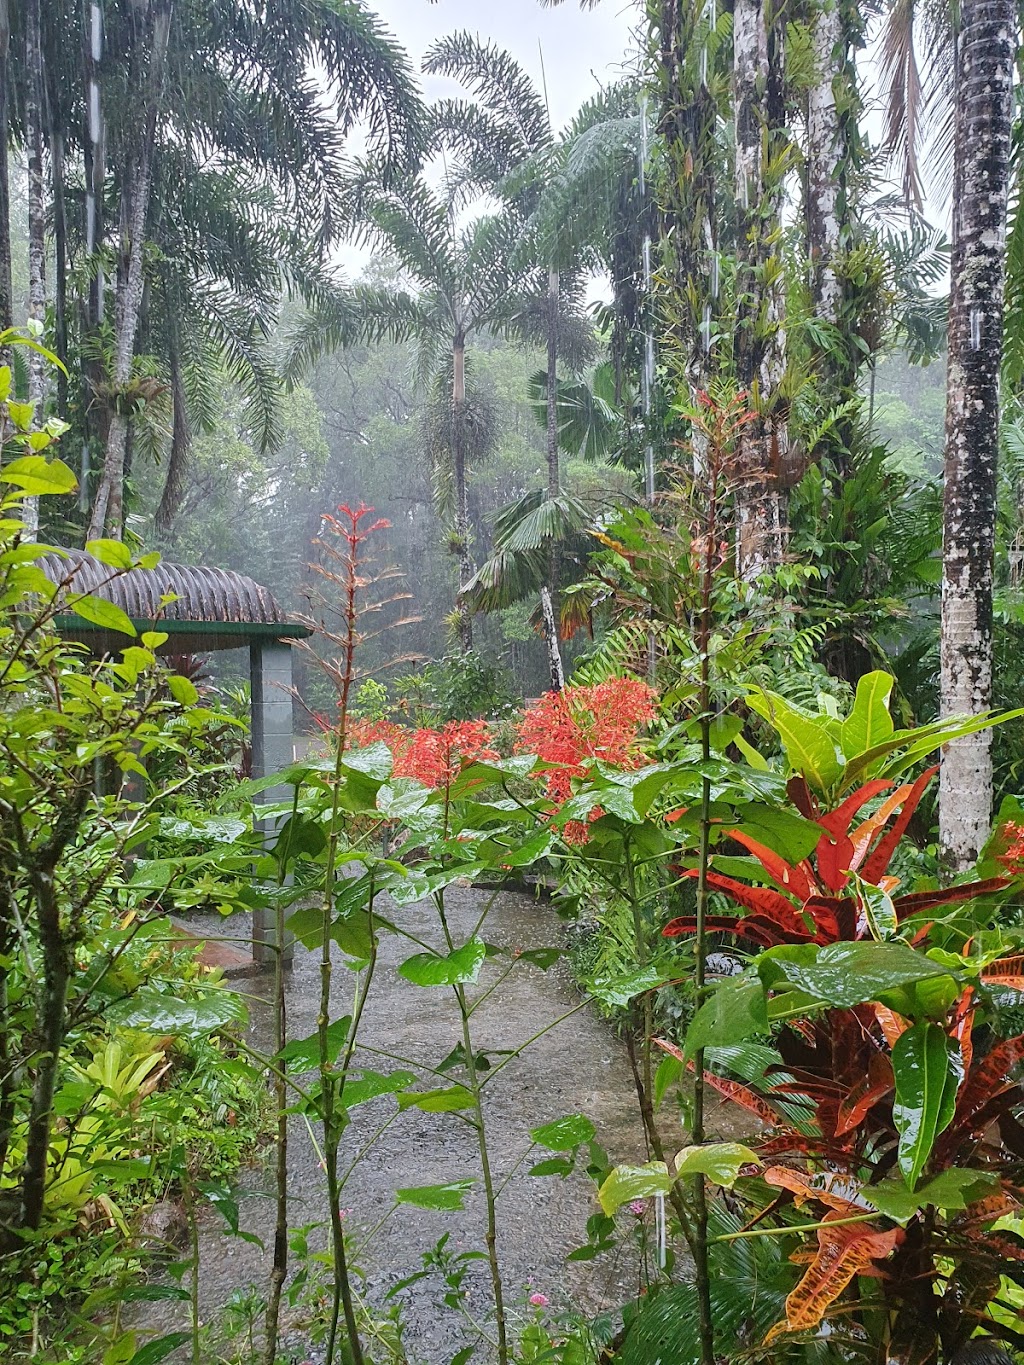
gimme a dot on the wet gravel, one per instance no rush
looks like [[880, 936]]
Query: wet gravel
[[577, 1067]]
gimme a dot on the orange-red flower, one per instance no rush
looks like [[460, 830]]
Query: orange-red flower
[[433, 757]]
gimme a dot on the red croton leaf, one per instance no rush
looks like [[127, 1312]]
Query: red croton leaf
[[978, 1090], [804, 1187], [761, 900], [834, 858], [838, 821], [867, 1092], [732, 1090], [950, 895], [878, 860], [843, 1252], [791, 877]]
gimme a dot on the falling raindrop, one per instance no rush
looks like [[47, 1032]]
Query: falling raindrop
[[976, 316]]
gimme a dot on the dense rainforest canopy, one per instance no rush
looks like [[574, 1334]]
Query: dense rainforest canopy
[[650, 490]]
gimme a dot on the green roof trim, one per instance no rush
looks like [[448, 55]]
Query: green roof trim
[[69, 624]]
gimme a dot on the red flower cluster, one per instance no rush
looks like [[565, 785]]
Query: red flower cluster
[[1013, 857], [579, 725], [433, 757]]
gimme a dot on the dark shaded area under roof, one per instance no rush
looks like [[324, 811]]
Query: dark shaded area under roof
[[213, 608]]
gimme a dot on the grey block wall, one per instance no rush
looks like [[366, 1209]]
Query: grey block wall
[[270, 664]]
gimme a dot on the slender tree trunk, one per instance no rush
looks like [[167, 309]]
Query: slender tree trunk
[[985, 50], [181, 440], [825, 159], [549, 593], [60, 246], [108, 509], [6, 289], [762, 449], [462, 529], [34, 140]]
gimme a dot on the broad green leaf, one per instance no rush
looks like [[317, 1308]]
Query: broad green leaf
[[783, 831], [159, 1349], [222, 1197], [928, 1067], [670, 1069], [37, 476], [403, 799], [459, 968], [374, 762], [620, 989], [114, 553], [372, 1084], [846, 974], [808, 745], [153, 639], [734, 1012], [564, 1134], [626, 1183], [555, 1165], [447, 1101], [448, 1198], [721, 1162], [954, 1188], [182, 690], [869, 722], [151, 1011], [303, 1054], [101, 613]]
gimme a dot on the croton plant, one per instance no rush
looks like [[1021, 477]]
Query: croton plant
[[862, 1034]]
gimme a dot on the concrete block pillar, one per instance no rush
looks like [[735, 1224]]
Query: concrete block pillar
[[270, 664]]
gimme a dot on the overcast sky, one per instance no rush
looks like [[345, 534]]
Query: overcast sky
[[582, 49]]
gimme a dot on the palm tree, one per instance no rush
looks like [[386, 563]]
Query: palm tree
[[462, 280], [985, 54], [505, 144], [263, 93]]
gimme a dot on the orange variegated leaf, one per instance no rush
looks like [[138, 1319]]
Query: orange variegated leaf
[[962, 1029], [804, 1188], [864, 833], [872, 1087], [892, 1024], [843, 1252], [1008, 972]]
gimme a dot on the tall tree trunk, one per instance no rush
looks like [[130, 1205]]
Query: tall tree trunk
[[462, 529], [181, 441], [762, 450], [108, 509], [549, 592], [95, 417], [985, 50], [826, 155], [60, 249], [34, 141], [6, 289]]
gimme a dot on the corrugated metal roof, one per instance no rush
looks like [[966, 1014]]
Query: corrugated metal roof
[[204, 598]]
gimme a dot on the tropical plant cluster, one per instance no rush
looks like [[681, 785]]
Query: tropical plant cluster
[[692, 612]]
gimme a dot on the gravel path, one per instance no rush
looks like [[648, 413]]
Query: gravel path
[[577, 1067]]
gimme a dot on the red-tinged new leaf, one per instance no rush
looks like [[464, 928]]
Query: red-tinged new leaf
[[741, 1095], [843, 1252], [790, 877], [802, 797], [963, 1026], [871, 1088], [833, 859], [877, 863], [838, 821], [951, 895], [892, 1024]]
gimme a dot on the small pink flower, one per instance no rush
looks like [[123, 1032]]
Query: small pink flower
[[638, 1208], [539, 1300]]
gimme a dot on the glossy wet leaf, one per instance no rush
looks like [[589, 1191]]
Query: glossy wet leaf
[[159, 1349], [846, 974], [721, 1162], [101, 613], [372, 1084], [564, 1134], [303, 1054], [734, 1012], [622, 987], [36, 476], [151, 1011], [459, 968], [446, 1198], [626, 1183], [927, 1066], [954, 1188]]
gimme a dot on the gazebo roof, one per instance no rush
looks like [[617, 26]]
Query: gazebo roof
[[214, 608]]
